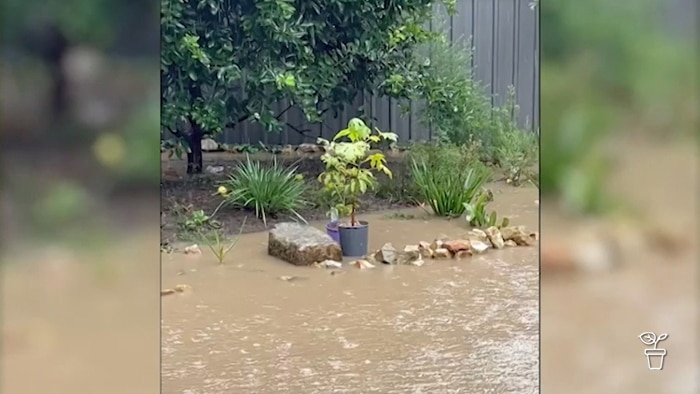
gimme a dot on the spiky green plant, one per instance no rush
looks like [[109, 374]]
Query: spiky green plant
[[269, 190]]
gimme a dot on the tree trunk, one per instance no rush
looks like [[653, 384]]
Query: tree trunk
[[58, 94], [352, 215], [194, 156]]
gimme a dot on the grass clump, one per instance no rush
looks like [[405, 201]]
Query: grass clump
[[269, 190], [216, 242], [447, 178]]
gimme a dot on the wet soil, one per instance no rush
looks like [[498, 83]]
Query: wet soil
[[178, 190], [447, 327]]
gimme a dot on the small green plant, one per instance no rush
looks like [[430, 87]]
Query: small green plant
[[197, 220], [349, 165], [446, 190], [216, 243], [269, 190], [190, 220], [477, 216], [516, 151]]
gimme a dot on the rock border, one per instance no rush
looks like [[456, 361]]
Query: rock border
[[476, 242]]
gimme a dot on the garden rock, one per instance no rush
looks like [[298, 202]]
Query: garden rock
[[424, 249], [518, 234], [479, 235], [510, 243], [177, 289], [479, 246], [411, 257], [495, 237], [387, 254], [215, 169], [192, 249], [456, 245], [209, 145], [308, 148], [411, 248], [329, 264], [363, 264], [301, 244], [441, 253]]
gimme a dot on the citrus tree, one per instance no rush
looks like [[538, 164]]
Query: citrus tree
[[225, 61]]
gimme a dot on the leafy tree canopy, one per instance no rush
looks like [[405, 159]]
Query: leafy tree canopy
[[226, 61]]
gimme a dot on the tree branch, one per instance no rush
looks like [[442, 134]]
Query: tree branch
[[300, 132], [283, 112], [174, 132]]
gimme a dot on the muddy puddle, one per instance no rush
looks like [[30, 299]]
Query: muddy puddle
[[591, 323], [446, 327]]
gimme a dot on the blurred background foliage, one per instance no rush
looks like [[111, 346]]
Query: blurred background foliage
[[79, 112], [610, 66]]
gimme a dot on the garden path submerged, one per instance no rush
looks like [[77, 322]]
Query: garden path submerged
[[445, 327]]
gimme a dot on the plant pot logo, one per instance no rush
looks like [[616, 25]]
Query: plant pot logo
[[655, 356]]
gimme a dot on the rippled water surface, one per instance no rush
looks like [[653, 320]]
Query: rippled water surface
[[591, 323], [446, 327]]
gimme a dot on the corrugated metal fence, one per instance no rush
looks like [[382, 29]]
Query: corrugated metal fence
[[505, 39]]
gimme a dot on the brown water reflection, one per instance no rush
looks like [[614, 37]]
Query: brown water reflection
[[78, 322], [445, 327], [591, 323]]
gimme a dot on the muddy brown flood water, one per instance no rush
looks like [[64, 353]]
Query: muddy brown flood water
[[590, 323], [446, 327]]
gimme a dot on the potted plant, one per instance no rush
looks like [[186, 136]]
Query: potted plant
[[332, 225], [349, 173]]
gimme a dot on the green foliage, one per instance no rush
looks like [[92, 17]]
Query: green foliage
[[215, 242], [446, 176], [443, 157], [459, 109], [192, 221], [197, 220], [476, 215], [447, 192], [456, 105], [516, 151], [269, 190], [223, 62], [573, 165], [61, 205], [129, 154], [350, 165], [91, 22], [598, 81]]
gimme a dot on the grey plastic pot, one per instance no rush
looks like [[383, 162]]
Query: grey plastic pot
[[354, 240]]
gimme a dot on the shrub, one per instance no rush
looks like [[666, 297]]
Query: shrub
[[456, 105], [345, 176], [459, 109], [447, 177], [516, 151], [269, 190], [443, 156]]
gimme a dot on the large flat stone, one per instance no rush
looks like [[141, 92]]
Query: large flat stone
[[301, 244]]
